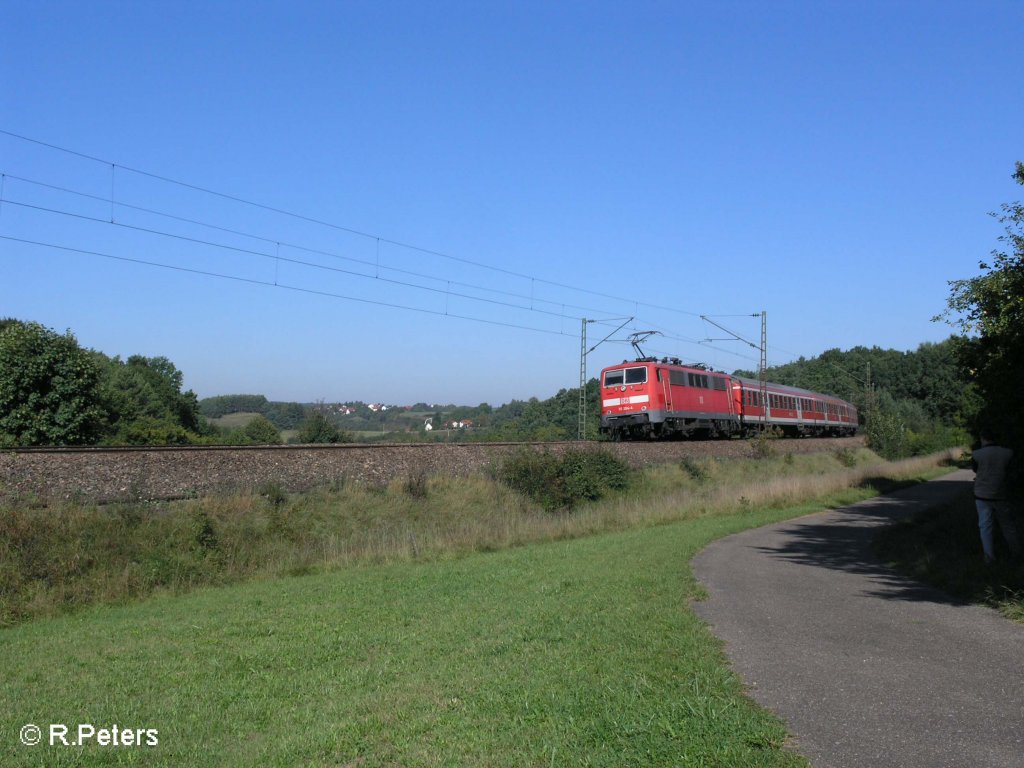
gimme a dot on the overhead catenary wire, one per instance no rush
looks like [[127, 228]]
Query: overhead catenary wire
[[268, 284], [447, 291], [277, 258], [335, 226], [117, 170], [269, 240]]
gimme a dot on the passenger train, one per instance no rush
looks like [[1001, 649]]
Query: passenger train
[[650, 398]]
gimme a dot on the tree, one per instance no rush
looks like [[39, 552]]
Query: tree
[[145, 403], [319, 427], [285, 415], [49, 387], [262, 432], [990, 307]]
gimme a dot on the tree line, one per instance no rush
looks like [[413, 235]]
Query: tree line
[[910, 402], [55, 392]]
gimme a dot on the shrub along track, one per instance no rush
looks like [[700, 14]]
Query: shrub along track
[[51, 475]]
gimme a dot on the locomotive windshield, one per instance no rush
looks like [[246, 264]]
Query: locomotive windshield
[[625, 376]]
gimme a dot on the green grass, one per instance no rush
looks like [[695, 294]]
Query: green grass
[[579, 652]]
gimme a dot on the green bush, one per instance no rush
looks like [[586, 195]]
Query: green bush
[[319, 427], [887, 435], [937, 439], [262, 432], [559, 482], [147, 430], [763, 446], [49, 387]]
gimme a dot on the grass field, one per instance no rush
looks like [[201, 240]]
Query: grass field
[[574, 650], [568, 653], [234, 420], [242, 418]]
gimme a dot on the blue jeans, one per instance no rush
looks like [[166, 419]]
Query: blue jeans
[[988, 513]]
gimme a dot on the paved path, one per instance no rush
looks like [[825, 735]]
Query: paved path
[[867, 668]]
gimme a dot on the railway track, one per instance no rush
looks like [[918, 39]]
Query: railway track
[[99, 449], [105, 474]]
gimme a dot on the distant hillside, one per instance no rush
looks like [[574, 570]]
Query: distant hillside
[[553, 419], [281, 415]]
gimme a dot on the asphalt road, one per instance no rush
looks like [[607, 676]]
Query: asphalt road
[[866, 667]]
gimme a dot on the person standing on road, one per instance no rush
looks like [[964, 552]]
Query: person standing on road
[[990, 462]]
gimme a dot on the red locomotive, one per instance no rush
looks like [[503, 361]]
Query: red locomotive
[[649, 399]]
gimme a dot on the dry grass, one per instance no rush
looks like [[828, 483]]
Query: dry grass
[[56, 559]]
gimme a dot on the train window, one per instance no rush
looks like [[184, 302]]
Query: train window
[[717, 382], [614, 378], [677, 378], [698, 380], [636, 375]]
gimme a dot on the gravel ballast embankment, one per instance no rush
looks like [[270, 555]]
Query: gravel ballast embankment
[[167, 473]]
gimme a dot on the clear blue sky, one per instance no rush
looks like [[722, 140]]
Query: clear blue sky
[[831, 163]]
